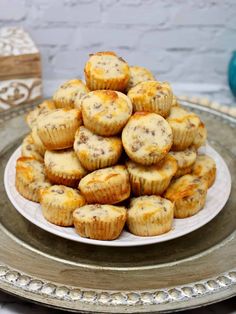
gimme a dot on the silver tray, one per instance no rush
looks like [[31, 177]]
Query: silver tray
[[191, 271]]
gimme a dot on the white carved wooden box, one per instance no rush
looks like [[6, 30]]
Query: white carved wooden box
[[20, 68]]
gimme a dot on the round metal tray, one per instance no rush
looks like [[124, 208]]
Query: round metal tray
[[196, 269]]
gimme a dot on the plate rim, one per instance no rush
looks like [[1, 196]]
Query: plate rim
[[116, 243]]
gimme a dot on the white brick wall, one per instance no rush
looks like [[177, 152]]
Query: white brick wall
[[181, 41]]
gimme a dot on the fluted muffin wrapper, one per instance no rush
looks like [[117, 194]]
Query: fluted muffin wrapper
[[141, 226], [147, 160], [117, 84], [187, 207], [60, 137], [98, 162], [110, 194], [209, 176], [142, 186], [99, 229], [182, 138], [64, 103], [63, 178], [182, 171]]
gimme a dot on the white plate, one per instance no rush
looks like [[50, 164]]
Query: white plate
[[217, 196]]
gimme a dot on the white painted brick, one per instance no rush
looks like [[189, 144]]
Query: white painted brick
[[108, 38], [176, 38], [143, 14], [71, 60], [81, 13], [14, 10], [225, 40], [53, 36]]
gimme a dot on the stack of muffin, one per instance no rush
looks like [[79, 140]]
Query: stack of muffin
[[117, 150]]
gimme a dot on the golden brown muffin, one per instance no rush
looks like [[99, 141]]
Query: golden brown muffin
[[139, 74], [44, 107], [106, 186], [100, 222], [184, 126], [147, 138], [30, 178], [58, 203], [63, 167], [29, 149], [106, 70], [152, 96], [200, 137], [151, 180], [37, 141], [57, 129], [188, 193], [150, 216], [205, 168], [95, 151], [69, 94], [106, 112], [185, 160]]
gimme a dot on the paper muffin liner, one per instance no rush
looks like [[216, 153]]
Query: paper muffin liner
[[37, 142], [209, 176], [142, 186], [99, 229], [141, 226], [97, 162], [102, 128], [117, 84], [189, 206], [182, 138], [160, 106], [60, 137], [26, 190], [147, 160], [182, 171], [61, 102], [110, 194], [63, 178]]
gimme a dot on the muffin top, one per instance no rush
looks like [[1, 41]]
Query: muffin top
[[106, 107], [185, 186], [99, 212], [70, 92], [139, 74], [89, 144], [203, 164], [61, 196], [185, 158], [100, 178], [31, 171], [29, 149], [150, 90], [201, 136], [165, 168], [64, 162], [106, 65], [58, 118], [149, 206], [180, 118], [147, 135], [44, 107]]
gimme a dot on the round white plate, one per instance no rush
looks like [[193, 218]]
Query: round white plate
[[217, 196]]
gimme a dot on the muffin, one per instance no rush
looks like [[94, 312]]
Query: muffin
[[185, 160], [58, 203], [106, 70], [99, 222], [30, 178], [205, 168], [28, 148], [37, 141], [105, 112], [150, 216], [57, 129], [200, 137], [44, 107], [69, 94], [63, 167], [184, 126], [95, 151], [175, 102], [151, 180], [147, 138], [106, 186], [152, 96], [139, 74], [188, 193]]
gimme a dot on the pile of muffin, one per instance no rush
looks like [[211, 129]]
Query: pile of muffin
[[117, 150]]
